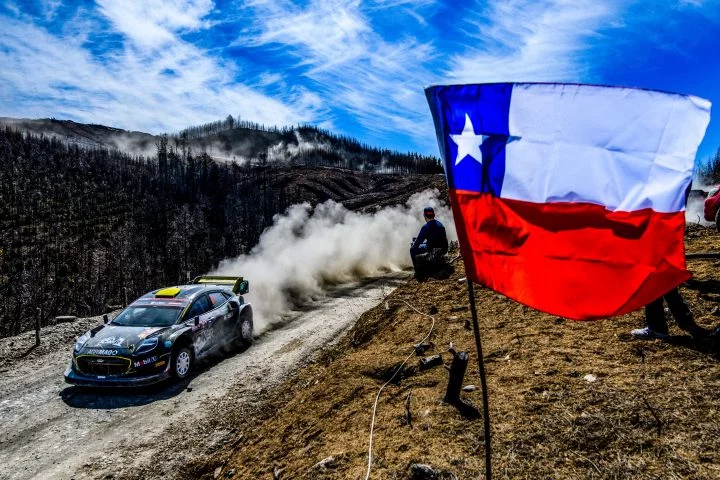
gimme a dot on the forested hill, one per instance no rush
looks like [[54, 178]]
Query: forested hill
[[240, 142], [86, 135], [78, 225]]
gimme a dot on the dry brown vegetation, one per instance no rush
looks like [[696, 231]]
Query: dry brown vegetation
[[652, 411]]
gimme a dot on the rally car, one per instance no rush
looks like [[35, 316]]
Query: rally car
[[162, 333]]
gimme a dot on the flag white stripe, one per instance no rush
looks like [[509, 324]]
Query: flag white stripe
[[626, 149]]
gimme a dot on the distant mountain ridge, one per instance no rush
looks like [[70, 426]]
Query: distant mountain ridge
[[86, 135], [237, 141]]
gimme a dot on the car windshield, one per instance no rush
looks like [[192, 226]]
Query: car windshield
[[148, 316]]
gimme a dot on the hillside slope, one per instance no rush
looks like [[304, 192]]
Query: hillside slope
[[79, 226], [85, 135], [567, 399]]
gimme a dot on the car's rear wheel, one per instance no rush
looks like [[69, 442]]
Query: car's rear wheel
[[717, 220], [182, 362]]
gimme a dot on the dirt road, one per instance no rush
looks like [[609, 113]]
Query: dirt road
[[52, 430]]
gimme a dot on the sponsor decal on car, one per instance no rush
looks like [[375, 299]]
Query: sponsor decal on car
[[102, 351], [170, 302], [144, 362], [111, 342], [147, 332]]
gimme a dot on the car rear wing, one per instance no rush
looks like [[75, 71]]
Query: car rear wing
[[239, 285]]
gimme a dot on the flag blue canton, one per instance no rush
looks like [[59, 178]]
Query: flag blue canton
[[473, 131]]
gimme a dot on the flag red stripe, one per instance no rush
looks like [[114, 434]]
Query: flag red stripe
[[575, 260]]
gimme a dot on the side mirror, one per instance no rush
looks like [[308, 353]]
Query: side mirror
[[105, 318], [244, 287], [196, 321], [234, 306]]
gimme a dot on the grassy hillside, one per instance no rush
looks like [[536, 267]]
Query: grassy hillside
[[568, 399]]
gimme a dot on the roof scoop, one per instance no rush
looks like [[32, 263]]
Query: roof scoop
[[170, 292]]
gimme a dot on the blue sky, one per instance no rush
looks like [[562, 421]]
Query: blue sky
[[357, 68]]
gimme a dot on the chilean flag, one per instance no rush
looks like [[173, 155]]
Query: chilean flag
[[570, 198]]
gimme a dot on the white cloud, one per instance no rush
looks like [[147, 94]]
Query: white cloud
[[391, 4], [50, 7], [12, 7], [138, 86], [151, 23], [353, 67], [330, 33], [379, 81], [524, 40]]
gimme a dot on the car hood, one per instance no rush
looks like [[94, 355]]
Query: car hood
[[119, 337]]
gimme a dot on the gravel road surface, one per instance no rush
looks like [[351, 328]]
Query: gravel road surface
[[52, 430]]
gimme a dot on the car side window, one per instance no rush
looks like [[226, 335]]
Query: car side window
[[217, 299], [199, 306]]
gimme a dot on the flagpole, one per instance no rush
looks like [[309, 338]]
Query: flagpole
[[483, 382]]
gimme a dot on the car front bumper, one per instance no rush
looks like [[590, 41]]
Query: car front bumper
[[75, 378]]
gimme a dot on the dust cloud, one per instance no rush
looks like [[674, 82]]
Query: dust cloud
[[307, 250], [694, 210], [282, 152]]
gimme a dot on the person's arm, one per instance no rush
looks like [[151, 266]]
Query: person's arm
[[421, 236], [445, 244]]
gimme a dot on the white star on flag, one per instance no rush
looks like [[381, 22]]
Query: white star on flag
[[468, 142]]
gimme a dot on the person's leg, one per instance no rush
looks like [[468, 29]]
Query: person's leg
[[414, 252], [655, 324], [682, 314], [655, 316], [680, 310]]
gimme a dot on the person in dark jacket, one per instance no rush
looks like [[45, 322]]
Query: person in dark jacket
[[432, 236]]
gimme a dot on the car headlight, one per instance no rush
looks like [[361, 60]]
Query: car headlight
[[81, 341], [146, 346]]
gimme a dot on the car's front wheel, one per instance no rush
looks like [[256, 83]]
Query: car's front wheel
[[717, 220], [245, 327], [182, 362]]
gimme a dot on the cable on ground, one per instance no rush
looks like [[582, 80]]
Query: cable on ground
[[399, 369]]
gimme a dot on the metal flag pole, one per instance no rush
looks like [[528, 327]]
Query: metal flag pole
[[483, 382]]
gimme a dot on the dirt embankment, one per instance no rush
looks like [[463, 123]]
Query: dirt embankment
[[567, 399]]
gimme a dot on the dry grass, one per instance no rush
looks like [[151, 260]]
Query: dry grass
[[653, 411]]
